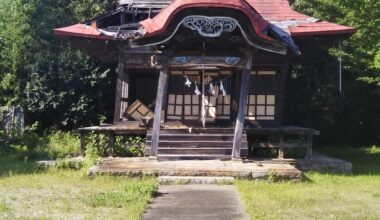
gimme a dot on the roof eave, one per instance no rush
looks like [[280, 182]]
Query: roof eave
[[345, 32], [65, 32]]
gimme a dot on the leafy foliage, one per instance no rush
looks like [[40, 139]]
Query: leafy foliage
[[32, 145], [361, 53], [129, 146], [57, 85], [350, 117]]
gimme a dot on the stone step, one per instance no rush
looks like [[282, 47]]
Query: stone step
[[182, 180]]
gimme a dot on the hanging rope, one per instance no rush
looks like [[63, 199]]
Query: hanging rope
[[207, 84], [210, 85]]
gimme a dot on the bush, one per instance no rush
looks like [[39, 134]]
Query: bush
[[55, 145], [96, 148], [62, 144], [124, 146], [129, 146]]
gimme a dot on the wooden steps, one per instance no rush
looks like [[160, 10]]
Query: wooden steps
[[201, 144]]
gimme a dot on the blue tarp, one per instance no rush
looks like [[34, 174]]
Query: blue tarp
[[284, 37]]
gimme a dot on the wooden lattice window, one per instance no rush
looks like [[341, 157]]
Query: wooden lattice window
[[183, 104], [191, 107], [175, 106], [261, 101], [223, 108], [175, 97]]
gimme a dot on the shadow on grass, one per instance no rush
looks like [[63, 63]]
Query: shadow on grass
[[365, 161], [306, 179], [11, 164]]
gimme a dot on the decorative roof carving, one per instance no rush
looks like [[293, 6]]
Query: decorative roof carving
[[210, 26]]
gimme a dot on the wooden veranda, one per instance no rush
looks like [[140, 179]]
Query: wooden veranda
[[134, 128]]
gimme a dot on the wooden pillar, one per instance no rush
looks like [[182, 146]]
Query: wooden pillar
[[309, 153], [165, 101], [163, 66], [121, 85], [281, 85], [244, 86], [236, 80], [82, 143], [281, 147]]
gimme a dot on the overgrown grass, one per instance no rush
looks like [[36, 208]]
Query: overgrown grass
[[366, 160], [321, 196], [28, 192], [30, 145], [12, 165], [58, 145]]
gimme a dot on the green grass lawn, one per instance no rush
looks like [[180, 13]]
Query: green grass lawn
[[27, 192], [321, 196]]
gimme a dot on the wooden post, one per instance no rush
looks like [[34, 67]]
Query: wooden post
[[281, 92], [281, 152], [82, 143], [162, 86], [244, 86], [111, 144], [165, 101], [236, 79], [119, 84], [309, 153]]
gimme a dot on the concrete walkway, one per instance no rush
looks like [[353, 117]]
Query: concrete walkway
[[196, 202]]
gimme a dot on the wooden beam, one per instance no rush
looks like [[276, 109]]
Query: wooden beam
[[119, 84], [197, 61], [163, 65], [244, 86]]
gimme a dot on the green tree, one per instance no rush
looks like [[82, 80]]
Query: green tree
[[361, 53], [57, 85], [353, 116]]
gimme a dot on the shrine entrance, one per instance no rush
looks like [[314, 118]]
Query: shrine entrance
[[199, 96]]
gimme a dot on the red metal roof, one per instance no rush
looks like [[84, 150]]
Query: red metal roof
[[277, 11], [159, 23], [260, 12]]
